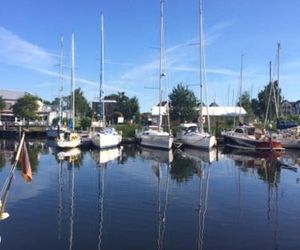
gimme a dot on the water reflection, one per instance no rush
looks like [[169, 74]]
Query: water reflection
[[266, 164], [158, 155], [159, 199], [103, 156]]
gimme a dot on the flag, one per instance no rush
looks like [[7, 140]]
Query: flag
[[25, 164]]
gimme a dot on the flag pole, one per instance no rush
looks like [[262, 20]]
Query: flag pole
[[8, 181]]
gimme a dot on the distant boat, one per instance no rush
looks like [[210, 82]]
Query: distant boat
[[105, 137], [158, 138], [67, 139]]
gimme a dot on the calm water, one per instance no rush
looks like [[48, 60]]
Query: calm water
[[139, 198]]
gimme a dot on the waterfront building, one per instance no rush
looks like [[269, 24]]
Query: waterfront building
[[46, 113]]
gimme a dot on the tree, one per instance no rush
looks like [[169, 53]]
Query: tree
[[82, 107], [26, 107], [183, 103], [246, 103], [260, 105], [2, 103], [128, 107]]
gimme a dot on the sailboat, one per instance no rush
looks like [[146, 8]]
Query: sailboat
[[67, 139], [251, 137], [190, 134], [107, 137], [158, 138], [53, 131]]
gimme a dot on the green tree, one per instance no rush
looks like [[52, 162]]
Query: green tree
[[26, 107], [183, 104], [246, 103], [128, 107], [2, 103], [82, 107], [260, 105]]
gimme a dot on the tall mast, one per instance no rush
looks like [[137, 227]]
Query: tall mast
[[270, 93], [61, 79], [161, 65], [200, 122], [278, 64], [241, 86], [101, 97], [73, 81]]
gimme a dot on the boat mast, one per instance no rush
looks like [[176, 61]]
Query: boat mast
[[278, 64], [161, 72], [200, 121], [241, 86], [101, 97], [61, 79], [73, 81], [270, 93]]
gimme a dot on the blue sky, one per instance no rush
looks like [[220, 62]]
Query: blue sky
[[30, 34]]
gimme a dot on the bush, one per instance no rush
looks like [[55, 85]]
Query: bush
[[85, 122], [128, 130]]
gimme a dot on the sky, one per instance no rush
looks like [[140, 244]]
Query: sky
[[30, 46]]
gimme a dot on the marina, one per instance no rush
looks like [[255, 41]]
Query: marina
[[151, 199], [149, 125]]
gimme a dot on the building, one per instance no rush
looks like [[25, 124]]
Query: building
[[163, 109], [222, 114], [46, 113], [287, 108], [290, 108]]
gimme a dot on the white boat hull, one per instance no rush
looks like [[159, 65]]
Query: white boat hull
[[103, 140], [199, 140], [159, 140]]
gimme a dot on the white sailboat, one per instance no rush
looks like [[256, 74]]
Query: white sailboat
[[191, 134], [152, 137], [106, 137], [67, 139]]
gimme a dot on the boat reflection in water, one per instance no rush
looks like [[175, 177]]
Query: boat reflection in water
[[200, 155], [158, 155], [161, 164], [268, 164], [71, 155], [103, 156], [197, 162]]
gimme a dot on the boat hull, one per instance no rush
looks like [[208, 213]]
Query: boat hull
[[102, 140], [245, 143], [162, 141], [198, 140]]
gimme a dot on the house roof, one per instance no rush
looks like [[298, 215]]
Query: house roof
[[224, 111], [11, 94]]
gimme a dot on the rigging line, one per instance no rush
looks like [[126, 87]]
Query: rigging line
[[71, 221], [205, 207], [200, 206], [60, 206], [101, 203], [270, 94], [165, 207], [204, 75], [159, 209]]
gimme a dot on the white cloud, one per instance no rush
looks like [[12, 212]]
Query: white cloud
[[16, 51]]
